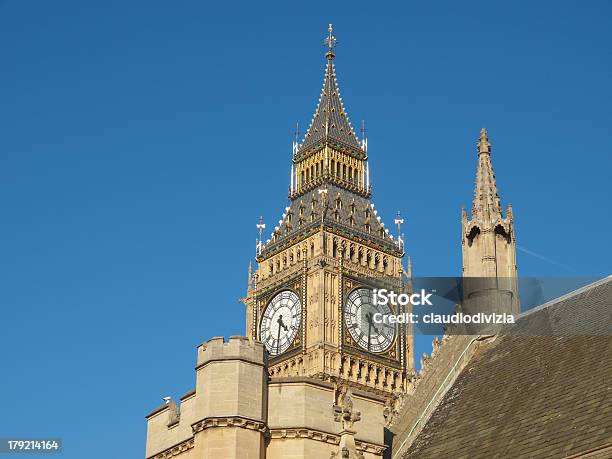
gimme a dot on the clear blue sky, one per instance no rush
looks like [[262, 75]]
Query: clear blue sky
[[140, 142]]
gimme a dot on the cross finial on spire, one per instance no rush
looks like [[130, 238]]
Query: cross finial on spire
[[330, 41]]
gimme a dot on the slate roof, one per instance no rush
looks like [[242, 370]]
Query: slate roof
[[586, 311], [533, 396], [330, 123], [347, 212]]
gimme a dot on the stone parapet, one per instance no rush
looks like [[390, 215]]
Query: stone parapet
[[169, 428], [238, 348]]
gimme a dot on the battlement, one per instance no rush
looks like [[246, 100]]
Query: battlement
[[236, 348]]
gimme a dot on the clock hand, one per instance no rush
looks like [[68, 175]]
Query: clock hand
[[280, 324], [369, 319]]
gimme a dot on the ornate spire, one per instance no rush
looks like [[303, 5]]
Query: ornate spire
[[488, 245], [330, 123], [330, 178], [487, 205]]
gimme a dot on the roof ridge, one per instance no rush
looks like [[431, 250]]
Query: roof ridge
[[567, 296]]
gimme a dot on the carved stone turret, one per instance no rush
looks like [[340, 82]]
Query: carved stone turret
[[225, 416], [488, 245], [231, 384]]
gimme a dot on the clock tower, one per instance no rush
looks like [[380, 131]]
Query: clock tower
[[309, 300]]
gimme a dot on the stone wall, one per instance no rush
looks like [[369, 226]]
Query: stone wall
[[235, 411], [226, 415], [301, 421]]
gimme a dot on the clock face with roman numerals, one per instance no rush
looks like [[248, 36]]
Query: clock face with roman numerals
[[280, 322], [358, 317]]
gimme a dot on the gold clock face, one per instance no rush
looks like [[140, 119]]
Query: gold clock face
[[280, 322], [359, 311]]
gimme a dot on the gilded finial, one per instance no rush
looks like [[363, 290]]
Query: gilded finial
[[330, 41]]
